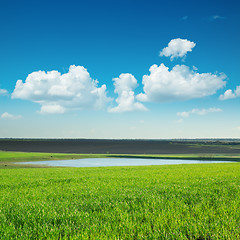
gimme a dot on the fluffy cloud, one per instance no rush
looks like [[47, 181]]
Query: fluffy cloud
[[3, 92], [180, 83], [177, 48], [198, 112], [53, 109], [58, 92], [230, 94], [7, 115], [124, 86]]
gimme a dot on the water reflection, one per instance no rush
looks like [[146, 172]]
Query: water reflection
[[107, 162]]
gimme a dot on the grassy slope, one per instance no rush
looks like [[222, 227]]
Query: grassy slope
[[154, 202]]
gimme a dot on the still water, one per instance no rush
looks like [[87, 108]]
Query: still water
[[107, 162]]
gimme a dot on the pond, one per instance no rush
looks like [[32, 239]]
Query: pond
[[107, 162]]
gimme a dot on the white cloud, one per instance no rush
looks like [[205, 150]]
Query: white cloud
[[218, 17], [180, 83], [177, 48], [7, 115], [183, 114], [53, 109], [58, 92], [206, 111], [3, 92], [124, 86], [198, 112], [229, 94]]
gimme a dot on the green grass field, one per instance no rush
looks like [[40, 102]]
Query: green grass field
[[155, 202]]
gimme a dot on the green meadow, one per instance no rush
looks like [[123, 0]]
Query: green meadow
[[196, 201]]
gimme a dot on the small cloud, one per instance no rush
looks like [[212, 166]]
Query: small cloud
[[184, 18], [3, 92], [7, 115], [183, 114], [179, 120], [215, 17], [205, 111], [197, 111], [195, 68], [177, 48], [229, 94], [52, 109]]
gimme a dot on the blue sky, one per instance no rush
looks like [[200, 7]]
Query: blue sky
[[102, 40]]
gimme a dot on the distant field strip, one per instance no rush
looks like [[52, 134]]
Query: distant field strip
[[155, 202], [118, 146]]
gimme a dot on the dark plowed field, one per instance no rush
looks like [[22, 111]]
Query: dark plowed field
[[119, 146]]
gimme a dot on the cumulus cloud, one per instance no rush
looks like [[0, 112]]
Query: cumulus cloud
[[229, 94], [58, 92], [124, 86], [7, 115], [177, 48], [198, 112], [3, 92], [180, 83]]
